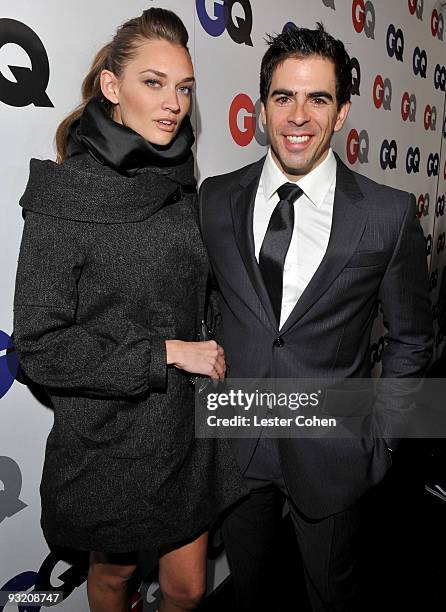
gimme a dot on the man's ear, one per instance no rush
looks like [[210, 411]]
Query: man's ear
[[262, 113], [342, 116], [110, 86]]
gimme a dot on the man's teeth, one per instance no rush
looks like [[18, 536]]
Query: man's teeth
[[298, 139]]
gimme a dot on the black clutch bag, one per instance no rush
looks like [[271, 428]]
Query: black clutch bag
[[206, 331]]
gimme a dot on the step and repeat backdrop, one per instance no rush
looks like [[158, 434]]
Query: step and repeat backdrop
[[395, 134]]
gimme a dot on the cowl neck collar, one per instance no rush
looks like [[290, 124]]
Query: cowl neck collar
[[111, 174], [120, 147]]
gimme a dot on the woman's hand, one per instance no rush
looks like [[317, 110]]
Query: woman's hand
[[205, 358]]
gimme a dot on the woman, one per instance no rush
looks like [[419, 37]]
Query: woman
[[110, 288]]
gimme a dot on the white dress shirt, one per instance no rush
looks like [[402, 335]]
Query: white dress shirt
[[313, 213]]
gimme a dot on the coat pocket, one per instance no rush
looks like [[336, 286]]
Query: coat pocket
[[96, 421]]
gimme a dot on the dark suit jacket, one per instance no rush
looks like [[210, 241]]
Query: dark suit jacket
[[376, 251]]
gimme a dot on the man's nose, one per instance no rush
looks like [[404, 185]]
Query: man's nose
[[299, 113]]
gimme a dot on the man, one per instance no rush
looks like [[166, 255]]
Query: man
[[300, 271]]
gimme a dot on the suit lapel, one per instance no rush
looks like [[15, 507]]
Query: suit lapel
[[348, 223], [242, 209]]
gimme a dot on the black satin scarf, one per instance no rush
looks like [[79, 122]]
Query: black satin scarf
[[122, 148]]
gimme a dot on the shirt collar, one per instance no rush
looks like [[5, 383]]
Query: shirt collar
[[315, 184]]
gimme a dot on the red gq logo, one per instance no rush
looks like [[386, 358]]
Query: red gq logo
[[244, 121], [382, 93], [358, 147]]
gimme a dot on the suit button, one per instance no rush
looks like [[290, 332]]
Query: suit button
[[278, 342]]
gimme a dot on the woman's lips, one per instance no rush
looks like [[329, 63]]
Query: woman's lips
[[165, 125]]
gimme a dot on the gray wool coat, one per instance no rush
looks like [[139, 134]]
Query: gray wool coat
[[110, 267]]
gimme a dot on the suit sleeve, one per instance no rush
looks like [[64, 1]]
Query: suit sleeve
[[404, 294], [54, 350]]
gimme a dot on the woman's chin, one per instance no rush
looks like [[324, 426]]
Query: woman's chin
[[159, 138]]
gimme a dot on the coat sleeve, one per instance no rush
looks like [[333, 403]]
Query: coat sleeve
[[54, 350]]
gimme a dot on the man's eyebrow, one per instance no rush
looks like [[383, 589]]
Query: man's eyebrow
[[320, 94], [313, 94], [282, 92]]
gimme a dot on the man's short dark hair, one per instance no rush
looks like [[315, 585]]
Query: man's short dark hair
[[296, 42]]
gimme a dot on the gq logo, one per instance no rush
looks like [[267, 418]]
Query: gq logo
[[419, 62], [433, 164], [11, 477], [358, 146], [441, 242], [395, 42], [408, 107], [416, 7], [69, 580], [413, 157], [437, 25], [8, 363], [222, 18], [244, 121], [382, 93], [31, 83], [440, 77], [388, 155], [439, 206], [364, 18], [430, 118], [423, 205], [356, 76], [428, 243]]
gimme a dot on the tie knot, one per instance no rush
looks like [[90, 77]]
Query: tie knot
[[289, 192]]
